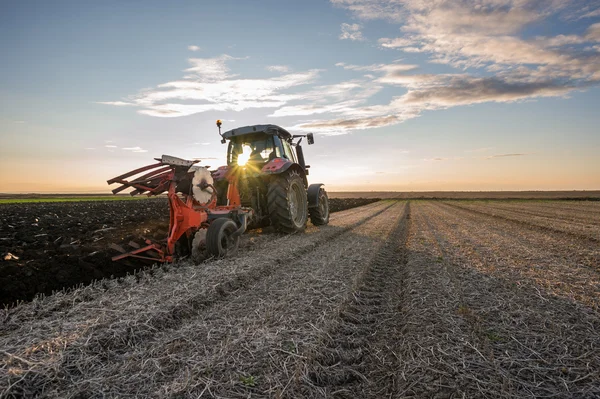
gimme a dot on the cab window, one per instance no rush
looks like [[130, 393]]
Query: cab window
[[257, 148], [288, 152]]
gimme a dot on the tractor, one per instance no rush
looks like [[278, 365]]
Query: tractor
[[263, 184]]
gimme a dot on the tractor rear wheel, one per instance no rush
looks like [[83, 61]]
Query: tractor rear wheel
[[319, 216], [287, 202], [220, 241]]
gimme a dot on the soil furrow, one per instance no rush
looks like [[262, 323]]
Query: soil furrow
[[354, 357], [562, 265], [528, 223], [445, 355], [113, 337], [530, 334], [577, 219]]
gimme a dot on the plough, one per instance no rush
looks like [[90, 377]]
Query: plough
[[193, 209]]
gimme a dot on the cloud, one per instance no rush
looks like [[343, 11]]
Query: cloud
[[351, 32], [337, 125], [134, 149], [209, 85], [485, 38], [440, 159], [193, 48], [591, 14], [388, 68], [395, 42], [110, 146], [210, 69], [593, 33], [467, 35], [484, 51], [279, 68], [201, 143], [506, 155], [465, 90], [116, 103]]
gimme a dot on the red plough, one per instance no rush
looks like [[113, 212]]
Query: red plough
[[196, 222]]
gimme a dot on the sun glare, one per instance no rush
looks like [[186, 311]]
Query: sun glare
[[244, 156]]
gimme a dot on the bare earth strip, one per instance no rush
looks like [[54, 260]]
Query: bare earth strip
[[589, 230], [118, 337], [563, 265], [579, 206], [353, 357], [582, 216], [529, 343]]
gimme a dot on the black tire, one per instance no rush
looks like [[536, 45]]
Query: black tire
[[219, 240], [287, 202], [319, 216]]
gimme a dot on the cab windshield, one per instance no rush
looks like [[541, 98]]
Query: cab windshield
[[252, 148]]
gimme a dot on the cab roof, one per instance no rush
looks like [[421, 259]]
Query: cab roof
[[267, 129]]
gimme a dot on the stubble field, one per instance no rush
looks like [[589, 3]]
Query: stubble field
[[396, 298]]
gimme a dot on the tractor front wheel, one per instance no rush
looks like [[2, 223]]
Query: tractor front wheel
[[319, 215], [220, 241], [287, 202]]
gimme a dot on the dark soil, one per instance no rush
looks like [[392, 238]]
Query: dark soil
[[46, 247]]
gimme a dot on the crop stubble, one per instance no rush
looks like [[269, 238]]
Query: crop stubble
[[425, 299]]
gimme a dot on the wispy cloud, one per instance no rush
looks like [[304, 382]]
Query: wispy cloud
[[486, 48], [485, 38], [440, 159], [117, 103], [279, 68], [194, 48], [134, 149], [110, 146], [506, 155], [351, 32], [209, 85]]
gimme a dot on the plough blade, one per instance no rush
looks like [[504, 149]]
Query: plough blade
[[156, 181]]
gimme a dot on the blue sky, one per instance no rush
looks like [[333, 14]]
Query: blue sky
[[402, 95]]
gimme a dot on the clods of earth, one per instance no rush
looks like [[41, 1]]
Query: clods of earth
[[50, 246]]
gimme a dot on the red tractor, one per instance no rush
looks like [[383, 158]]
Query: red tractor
[[264, 183]]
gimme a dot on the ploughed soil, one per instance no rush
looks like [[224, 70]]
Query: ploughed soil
[[49, 246], [395, 299]]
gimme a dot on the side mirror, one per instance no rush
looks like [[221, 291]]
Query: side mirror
[[310, 138]]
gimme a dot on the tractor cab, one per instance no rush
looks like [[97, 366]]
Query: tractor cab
[[258, 145]]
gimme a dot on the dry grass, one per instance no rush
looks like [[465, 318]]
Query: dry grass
[[390, 300], [164, 332], [582, 223]]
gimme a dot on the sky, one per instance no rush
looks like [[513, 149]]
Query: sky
[[402, 95]]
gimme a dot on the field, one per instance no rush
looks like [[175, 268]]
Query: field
[[397, 298], [470, 195], [60, 242]]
